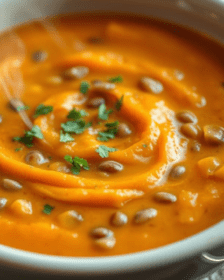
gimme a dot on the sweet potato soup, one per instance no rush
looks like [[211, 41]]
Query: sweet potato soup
[[112, 135]]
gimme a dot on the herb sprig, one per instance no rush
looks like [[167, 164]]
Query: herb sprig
[[119, 103], [104, 151], [77, 125], [77, 164], [103, 113], [28, 137], [84, 87], [48, 209], [75, 114], [116, 79], [109, 133], [42, 110], [65, 137]]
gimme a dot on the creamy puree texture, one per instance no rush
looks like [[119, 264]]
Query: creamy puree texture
[[168, 183]]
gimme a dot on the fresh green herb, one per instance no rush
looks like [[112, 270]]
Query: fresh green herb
[[117, 79], [68, 159], [22, 108], [77, 164], [47, 209], [84, 87], [103, 114], [109, 133], [35, 132], [18, 149], [75, 115], [144, 145], [119, 103], [50, 157], [42, 110], [105, 136], [104, 151], [112, 124], [76, 127], [27, 139], [65, 137]]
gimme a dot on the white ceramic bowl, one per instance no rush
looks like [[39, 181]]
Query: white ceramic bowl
[[205, 16]]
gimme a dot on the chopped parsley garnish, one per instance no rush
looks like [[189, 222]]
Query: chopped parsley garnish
[[77, 164], [119, 103], [65, 137], [22, 108], [117, 79], [144, 145], [109, 133], [103, 113], [27, 139], [84, 87], [35, 132], [75, 115], [42, 110], [76, 127], [47, 209], [112, 124], [18, 149], [104, 151]]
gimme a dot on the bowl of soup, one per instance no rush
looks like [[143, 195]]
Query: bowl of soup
[[112, 135]]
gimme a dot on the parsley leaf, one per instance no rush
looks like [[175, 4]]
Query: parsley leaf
[[112, 124], [75, 115], [117, 79], [76, 127], [27, 139], [105, 136], [68, 159], [35, 132], [65, 137], [47, 209], [22, 108], [77, 164], [82, 162], [18, 149], [109, 133], [104, 151], [144, 145], [84, 87], [119, 103], [42, 110], [103, 114]]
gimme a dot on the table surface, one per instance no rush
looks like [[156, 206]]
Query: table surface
[[190, 273]]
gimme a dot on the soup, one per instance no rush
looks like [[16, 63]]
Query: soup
[[111, 135]]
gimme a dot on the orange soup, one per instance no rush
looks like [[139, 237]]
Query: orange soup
[[112, 133]]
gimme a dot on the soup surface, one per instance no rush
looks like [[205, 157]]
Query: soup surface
[[111, 135]]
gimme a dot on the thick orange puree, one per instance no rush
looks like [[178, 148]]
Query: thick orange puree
[[157, 178]]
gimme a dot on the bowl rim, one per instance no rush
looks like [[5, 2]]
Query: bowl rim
[[149, 259]]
